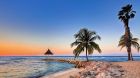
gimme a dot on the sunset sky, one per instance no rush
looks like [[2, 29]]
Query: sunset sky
[[30, 27]]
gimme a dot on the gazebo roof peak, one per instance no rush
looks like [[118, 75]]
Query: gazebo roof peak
[[48, 52]]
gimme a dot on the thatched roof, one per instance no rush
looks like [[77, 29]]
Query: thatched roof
[[48, 52]]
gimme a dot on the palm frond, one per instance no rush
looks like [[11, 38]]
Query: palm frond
[[126, 13], [132, 15], [135, 45], [95, 37], [121, 43], [122, 46], [95, 46], [75, 43], [90, 49], [78, 49], [135, 39], [134, 42]]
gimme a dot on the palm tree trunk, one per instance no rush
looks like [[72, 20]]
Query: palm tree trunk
[[74, 57], [128, 39], [86, 54], [131, 56]]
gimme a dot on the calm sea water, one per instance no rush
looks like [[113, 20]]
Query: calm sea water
[[35, 67]]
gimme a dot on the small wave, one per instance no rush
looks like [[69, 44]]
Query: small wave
[[3, 62]]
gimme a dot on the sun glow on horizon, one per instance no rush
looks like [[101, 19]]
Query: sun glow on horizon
[[19, 49]]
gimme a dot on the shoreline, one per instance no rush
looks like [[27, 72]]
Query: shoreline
[[130, 69], [100, 69], [64, 74]]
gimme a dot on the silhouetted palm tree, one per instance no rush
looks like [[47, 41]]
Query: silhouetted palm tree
[[85, 42], [125, 14], [134, 43]]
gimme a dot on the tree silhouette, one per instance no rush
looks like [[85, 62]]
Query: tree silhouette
[[125, 14], [85, 42]]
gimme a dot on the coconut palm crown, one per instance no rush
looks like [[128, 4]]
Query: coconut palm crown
[[85, 42]]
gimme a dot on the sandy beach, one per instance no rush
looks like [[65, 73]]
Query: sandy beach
[[131, 69], [64, 74]]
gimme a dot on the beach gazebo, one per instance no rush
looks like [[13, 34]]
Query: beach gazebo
[[48, 52]]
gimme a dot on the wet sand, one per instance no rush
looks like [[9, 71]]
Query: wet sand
[[64, 74]]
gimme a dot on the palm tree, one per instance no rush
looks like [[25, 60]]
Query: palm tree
[[85, 42], [134, 43], [125, 14]]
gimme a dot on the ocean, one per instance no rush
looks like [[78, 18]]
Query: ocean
[[35, 67]]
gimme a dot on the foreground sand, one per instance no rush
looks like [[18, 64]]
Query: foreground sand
[[132, 68]]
